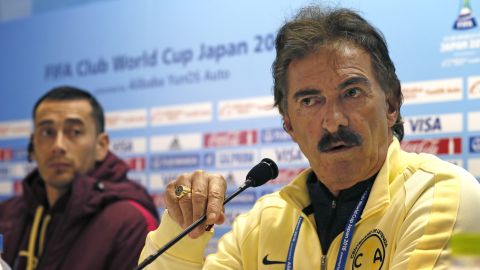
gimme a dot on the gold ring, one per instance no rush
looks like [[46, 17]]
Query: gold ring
[[181, 191]]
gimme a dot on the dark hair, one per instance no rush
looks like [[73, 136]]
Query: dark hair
[[313, 27], [73, 93]]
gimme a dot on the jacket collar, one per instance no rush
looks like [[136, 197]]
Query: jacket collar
[[296, 192]]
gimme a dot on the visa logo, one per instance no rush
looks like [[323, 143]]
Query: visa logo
[[122, 146], [288, 155], [425, 125]]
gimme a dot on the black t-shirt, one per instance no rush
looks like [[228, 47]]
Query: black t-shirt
[[332, 213]]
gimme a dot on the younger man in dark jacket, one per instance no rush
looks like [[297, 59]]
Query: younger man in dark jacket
[[78, 210]]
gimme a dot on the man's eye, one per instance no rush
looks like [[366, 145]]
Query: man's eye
[[75, 132], [353, 92], [309, 101], [47, 132]]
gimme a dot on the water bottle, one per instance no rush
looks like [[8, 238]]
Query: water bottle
[[465, 249]]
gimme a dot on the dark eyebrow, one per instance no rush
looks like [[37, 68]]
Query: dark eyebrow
[[70, 121], [44, 123], [305, 92], [353, 80], [74, 121]]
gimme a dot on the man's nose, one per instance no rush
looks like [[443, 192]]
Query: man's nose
[[59, 144], [333, 117]]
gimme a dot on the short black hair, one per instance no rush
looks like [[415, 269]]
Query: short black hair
[[74, 93]]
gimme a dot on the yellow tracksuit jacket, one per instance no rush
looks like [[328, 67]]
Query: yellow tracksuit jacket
[[417, 201]]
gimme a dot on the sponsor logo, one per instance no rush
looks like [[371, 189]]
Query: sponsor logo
[[129, 145], [15, 129], [473, 87], [275, 135], [474, 121], [161, 162], [465, 19], [370, 251], [266, 261], [246, 108], [475, 144], [238, 158], [285, 154], [433, 91], [230, 138], [127, 119], [176, 142], [181, 114], [429, 124], [438, 146], [135, 163]]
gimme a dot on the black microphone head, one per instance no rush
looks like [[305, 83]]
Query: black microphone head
[[262, 173]]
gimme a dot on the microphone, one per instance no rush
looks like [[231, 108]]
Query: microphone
[[257, 176]]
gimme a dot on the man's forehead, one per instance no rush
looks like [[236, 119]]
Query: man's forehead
[[338, 56], [344, 62], [64, 110]]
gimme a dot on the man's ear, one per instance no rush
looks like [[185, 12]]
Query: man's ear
[[103, 142], [392, 115], [287, 126], [31, 149]]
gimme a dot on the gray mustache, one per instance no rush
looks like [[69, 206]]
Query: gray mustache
[[345, 135]]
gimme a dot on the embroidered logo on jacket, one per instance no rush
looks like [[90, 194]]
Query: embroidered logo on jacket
[[370, 251], [266, 261]]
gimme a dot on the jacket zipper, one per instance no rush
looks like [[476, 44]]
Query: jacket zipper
[[323, 266]]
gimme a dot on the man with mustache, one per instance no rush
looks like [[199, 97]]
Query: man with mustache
[[78, 210], [363, 203]]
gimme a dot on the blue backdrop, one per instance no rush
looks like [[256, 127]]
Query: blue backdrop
[[187, 85]]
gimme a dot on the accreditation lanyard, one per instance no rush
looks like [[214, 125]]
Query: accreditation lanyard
[[346, 239], [348, 231]]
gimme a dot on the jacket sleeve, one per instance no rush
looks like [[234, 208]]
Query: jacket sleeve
[[129, 239], [445, 208], [186, 254]]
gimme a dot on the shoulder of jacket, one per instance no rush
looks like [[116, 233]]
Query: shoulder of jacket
[[123, 211], [440, 169], [427, 172], [13, 205]]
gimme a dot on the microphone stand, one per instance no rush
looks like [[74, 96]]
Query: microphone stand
[[190, 228]]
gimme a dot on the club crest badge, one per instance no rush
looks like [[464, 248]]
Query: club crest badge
[[370, 251]]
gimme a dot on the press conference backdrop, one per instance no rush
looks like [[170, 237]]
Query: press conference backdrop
[[187, 85]]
